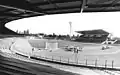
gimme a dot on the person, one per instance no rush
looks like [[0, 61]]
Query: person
[[76, 49], [105, 47], [32, 49]]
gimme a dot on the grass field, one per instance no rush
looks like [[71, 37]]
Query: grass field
[[61, 43], [91, 52]]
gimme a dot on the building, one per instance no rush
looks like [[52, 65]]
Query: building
[[96, 36]]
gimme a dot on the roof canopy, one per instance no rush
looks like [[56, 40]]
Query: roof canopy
[[88, 32], [16, 9]]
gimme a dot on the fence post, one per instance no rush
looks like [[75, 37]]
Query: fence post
[[52, 58], [77, 61], [112, 63], [45, 57], [60, 58], [39, 56], [86, 62], [105, 63], [96, 63], [68, 60]]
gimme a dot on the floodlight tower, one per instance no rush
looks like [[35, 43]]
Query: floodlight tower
[[70, 28]]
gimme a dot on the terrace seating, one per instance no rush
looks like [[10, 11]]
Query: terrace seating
[[91, 39]]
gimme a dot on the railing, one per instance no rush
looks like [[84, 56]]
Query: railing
[[67, 61], [80, 63]]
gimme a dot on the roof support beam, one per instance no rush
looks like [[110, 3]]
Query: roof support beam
[[54, 9], [103, 9], [84, 2], [9, 14], [7, 10], [61, 12], [53, 2], [115, 2], [20, 5], [114, 6], [102, 5]]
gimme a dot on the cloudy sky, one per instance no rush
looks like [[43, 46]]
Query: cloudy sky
[[59, 24]]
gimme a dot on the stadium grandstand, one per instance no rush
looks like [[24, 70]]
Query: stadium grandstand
[[96, 36]]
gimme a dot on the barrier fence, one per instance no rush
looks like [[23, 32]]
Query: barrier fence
[[68, 61], [86, 62]]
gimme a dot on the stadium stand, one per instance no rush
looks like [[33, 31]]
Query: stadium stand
[[94, 36]]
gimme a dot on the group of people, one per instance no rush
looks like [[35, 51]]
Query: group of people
[[76, 49]]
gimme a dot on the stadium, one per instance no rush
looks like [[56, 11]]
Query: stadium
[[95, 52], [90, 52], [62, 52]]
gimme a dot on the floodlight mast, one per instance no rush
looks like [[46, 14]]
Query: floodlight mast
[[70, 29]]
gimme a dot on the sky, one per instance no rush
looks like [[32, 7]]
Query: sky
[[59, 23]]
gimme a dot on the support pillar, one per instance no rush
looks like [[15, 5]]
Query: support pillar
[[84, 2]]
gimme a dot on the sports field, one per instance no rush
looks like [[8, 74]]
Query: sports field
[[91, 52]]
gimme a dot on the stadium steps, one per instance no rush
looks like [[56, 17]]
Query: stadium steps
[[13, 65], [14, 70], [35, 68], [3, 72]]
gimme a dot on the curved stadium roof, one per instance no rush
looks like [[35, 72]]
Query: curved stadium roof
[[16, 9]]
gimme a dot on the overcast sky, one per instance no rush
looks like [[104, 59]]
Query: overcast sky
[[59, 24]]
